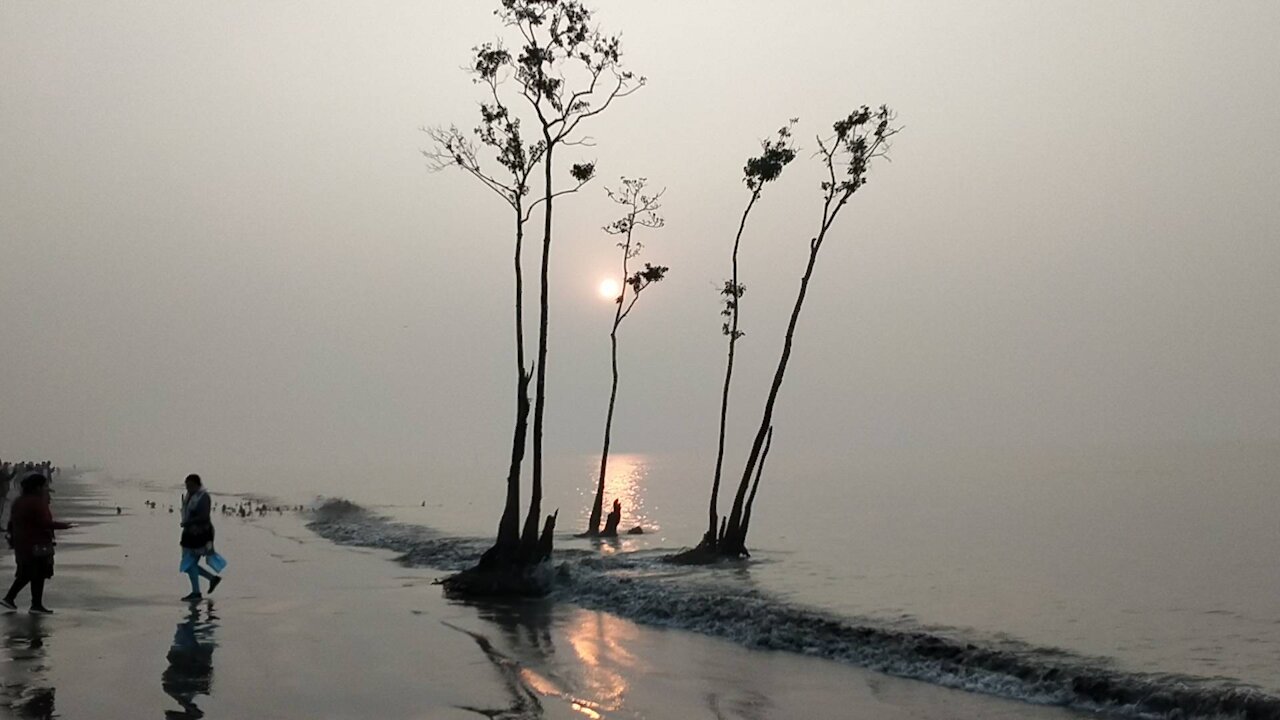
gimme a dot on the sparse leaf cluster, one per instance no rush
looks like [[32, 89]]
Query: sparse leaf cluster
[[642, 212], [641, 279], [566, 69], [859, 138], [730, 294], [583, 172], [775, 155]]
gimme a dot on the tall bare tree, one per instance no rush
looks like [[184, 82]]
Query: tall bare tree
[[567, 72], [499, 132], [564, 73], [640, 210]]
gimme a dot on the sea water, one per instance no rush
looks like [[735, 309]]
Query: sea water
[[1136, 580]]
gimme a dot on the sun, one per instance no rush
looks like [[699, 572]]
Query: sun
[[610, 289]]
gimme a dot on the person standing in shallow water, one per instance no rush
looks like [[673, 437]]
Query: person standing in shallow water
[[197, 536], [31, 525]]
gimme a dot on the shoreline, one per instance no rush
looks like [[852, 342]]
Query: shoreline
[[304, 628]]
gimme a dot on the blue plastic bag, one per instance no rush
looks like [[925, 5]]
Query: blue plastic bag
[[212, 559], [215, 561]]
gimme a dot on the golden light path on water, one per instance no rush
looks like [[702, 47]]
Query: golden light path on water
[[625, 481], [600, 641]]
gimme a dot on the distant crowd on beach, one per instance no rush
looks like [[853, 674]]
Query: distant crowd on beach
[[242, 509], [9, 471]]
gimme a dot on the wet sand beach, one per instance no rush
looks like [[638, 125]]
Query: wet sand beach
[[302, 628]]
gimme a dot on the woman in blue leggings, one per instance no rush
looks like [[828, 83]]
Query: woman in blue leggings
[[197, 537]]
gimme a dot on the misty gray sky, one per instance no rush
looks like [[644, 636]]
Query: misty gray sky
[[221, 248]]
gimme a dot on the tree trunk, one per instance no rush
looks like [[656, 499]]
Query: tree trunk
[[735, 540], [751, 499], [506, 551], [530, 540], [546, 540], [597, 508], [710, 538], [509, 526], [614, 519]]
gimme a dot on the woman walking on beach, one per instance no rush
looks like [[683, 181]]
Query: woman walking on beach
[[197, 538], [31, 526]]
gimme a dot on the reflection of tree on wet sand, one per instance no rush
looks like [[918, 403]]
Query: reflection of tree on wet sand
[[525, 625], [524, 700], [23, 675], [600, 640], [752, 707], [190, 671], [592, 684]]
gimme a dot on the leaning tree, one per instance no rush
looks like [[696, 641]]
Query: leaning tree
[[766, 167], [846, 155], [640, 210]]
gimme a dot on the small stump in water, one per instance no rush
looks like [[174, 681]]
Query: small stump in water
[[611, 522]]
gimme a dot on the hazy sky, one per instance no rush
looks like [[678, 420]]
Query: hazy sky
[[221, 248]]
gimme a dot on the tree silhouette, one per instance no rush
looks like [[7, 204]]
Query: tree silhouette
[[499, 131], [846, 155], [640, 211], [567, 72], [764, 168], [564, 73]]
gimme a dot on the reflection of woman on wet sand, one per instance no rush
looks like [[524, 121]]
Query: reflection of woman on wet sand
[[190, 671], [24, 672]]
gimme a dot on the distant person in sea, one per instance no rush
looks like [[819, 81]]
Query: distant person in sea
[[31, 527], [197, 538]]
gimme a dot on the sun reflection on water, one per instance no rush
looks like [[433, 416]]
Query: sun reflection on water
[[625, 480], [600, 641]]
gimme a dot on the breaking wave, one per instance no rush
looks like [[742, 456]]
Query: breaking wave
[[346, 523], [641, 588]]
